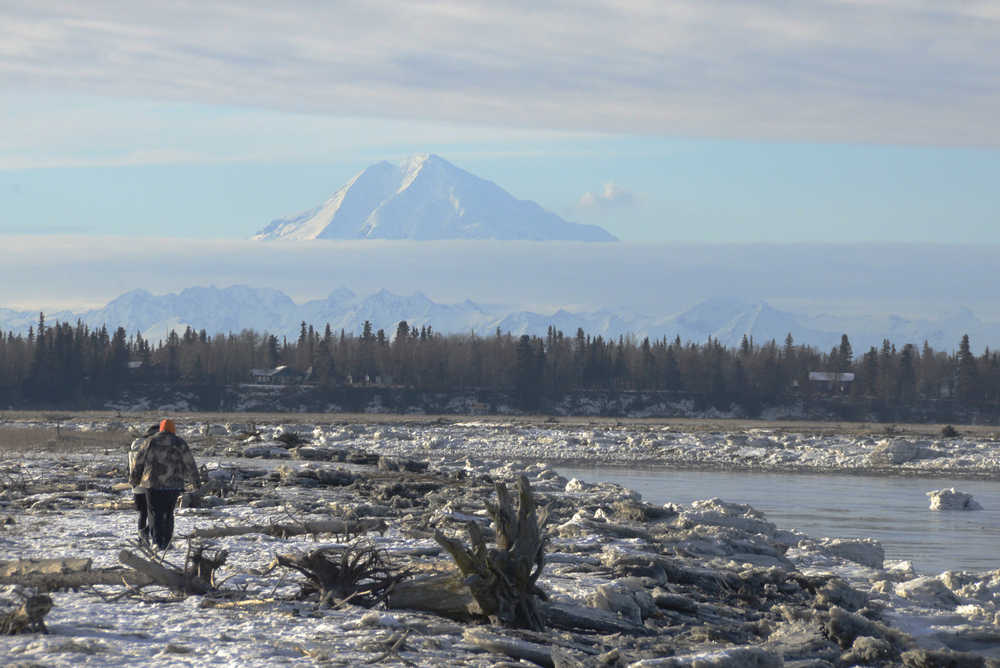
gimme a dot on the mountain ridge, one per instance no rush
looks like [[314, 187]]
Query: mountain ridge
[[726, 319]]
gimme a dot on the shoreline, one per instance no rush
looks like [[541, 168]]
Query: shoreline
[[763, 436], [654, 464], [694, 425]]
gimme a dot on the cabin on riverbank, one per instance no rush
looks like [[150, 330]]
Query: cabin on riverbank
[[831, 381], [279, 375]]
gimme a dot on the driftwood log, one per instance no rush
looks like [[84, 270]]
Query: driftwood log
[[29, 618], [284, 530], [101, 576], [502, 580], [444, 594], [65, 573], [187, 583], [516, 649], [572, 617], [23, 567]]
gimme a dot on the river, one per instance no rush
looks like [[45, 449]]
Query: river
[[895, 511]]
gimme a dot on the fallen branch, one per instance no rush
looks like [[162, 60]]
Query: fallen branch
[[515, 649], [350, 528], [395, 644], [244, 604]]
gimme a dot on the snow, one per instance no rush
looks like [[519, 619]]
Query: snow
[[411, 169], [950, 499]]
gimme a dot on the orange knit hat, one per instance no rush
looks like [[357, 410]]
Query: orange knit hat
[[167, 425]]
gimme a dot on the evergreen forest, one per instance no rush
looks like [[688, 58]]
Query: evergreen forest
[[73, 366]]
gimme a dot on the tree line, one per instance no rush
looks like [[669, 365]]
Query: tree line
[[66, 363]]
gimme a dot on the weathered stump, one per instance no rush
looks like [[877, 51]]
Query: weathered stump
[[202, 562], [360, 574], [502, 580], [29, 618]]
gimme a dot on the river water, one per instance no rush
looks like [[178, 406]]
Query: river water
[[895, 511]]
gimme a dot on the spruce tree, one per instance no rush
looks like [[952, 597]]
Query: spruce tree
[[967, 387], [845, 354]]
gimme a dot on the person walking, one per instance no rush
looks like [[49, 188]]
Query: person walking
[[162, 465], [139, 493]]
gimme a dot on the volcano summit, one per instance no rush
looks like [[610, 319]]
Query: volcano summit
[[427, 198]]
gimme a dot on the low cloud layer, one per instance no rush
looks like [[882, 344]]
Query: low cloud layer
[[56, 272], [912, 71]]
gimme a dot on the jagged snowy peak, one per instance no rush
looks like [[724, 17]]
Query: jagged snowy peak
[[728, 320], [941, 333], [385, 310], [427, 198], [139, 308], [236, 308], [230, 309], [761, 322], [705, 318], [17, 321], [600, 323]]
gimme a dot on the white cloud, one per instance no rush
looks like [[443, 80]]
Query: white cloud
[[72, 130], [914, 71], [611, 195]]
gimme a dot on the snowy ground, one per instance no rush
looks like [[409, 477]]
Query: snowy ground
[[60, 496]]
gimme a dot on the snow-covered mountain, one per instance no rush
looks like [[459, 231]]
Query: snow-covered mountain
[[728, 320], [426, 198], [236, 308]]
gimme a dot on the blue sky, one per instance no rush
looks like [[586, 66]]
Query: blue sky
[[640, 187], [727, 121]]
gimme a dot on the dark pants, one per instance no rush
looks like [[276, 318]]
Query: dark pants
[[143, 508], [161, 504]]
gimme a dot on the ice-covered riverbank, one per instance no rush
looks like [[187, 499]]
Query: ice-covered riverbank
[[761, 449], [709, 577]]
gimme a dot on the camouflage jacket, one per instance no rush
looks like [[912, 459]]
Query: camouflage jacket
[[164, 461], [133, 451]]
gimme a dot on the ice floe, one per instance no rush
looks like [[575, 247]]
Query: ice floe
[[951, 499]]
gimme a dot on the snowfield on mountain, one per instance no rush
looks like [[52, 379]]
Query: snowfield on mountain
[[427, 198]]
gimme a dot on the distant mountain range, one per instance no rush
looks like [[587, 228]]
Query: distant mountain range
[[238, 307], [427, 198]]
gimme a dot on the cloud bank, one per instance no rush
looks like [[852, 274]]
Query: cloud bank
[[74, 272], [911, 71]]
